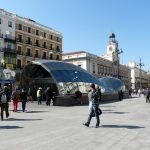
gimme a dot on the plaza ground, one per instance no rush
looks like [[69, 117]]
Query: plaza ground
[[125, 125]]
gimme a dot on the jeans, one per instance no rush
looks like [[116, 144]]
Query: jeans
[[23, 105], [94, 109], [4, 106]]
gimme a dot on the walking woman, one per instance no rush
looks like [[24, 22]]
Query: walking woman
[[15, 98]]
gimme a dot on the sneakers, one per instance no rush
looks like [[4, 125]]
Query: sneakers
[[86, 124], [97, 126]]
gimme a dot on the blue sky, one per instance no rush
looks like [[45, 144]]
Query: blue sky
[[86, 24]]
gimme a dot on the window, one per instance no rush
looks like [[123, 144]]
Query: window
[[29, 30], [19, 50], [37, 32], [94, 68], [57, 57], [44, 34], [57, 49], [51, 56], [37, 42], [28, 52], [9, 24], [9, 46], [57, 39], [44, 44], [44, 55], [51, 46], [18, 63], [36, 53], [51, 37], [20, 26]]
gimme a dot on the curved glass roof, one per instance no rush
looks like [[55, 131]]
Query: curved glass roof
[[111, 84], [66, 72]]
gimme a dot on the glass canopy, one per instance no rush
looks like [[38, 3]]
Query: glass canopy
[[111, 84], [64, 77]]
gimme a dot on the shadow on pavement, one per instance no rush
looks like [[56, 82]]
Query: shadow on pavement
[[122, 126], [15, 119], [10, 127], [36, 111]]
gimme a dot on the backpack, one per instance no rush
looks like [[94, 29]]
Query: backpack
[[3, 98]]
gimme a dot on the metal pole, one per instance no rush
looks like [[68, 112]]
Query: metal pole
[[140, 76]]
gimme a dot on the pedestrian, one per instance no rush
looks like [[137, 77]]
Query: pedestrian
[[78, 96], [49, 96], [39, 95], [30, 95], [120, 95], [15, 98], [94, 109], [4, 104], [23, 98], [147, 95], [139, 92]]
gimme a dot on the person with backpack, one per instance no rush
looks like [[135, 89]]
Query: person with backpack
[[4, 105]]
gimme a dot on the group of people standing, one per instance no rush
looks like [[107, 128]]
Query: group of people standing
[[47, 94]]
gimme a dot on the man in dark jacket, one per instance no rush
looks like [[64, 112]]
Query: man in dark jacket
[[23, 97], [95, 105], [49, 96]]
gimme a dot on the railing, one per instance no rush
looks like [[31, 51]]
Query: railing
[[29, 42], [9, 38], [1, 35], [19, 40], [9, 50]]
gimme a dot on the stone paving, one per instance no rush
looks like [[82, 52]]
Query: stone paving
[[125, 125]]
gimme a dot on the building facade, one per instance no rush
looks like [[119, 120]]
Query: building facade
[[35, 41], [7, 39], [97, 66], [23, 40], [138, 76]]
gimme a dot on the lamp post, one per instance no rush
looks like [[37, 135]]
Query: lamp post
[[140, 64], [117, 52]]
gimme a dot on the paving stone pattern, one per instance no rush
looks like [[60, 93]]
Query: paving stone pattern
[[125, 125]]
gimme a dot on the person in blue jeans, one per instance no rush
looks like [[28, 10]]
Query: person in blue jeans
[[94, 108]]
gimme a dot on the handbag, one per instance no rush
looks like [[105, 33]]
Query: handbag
[[99, 112]]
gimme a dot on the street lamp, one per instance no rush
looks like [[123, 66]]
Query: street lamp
[[140, 64], [116, 55]]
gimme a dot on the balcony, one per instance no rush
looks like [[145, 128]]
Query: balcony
[[19, 40], [29, 42], [1, 49], [57, 50], [9, 38], [37, 44], [36, 55], [28, 54], [9, 50], [44, 46], [19, 53], [1, 35]]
